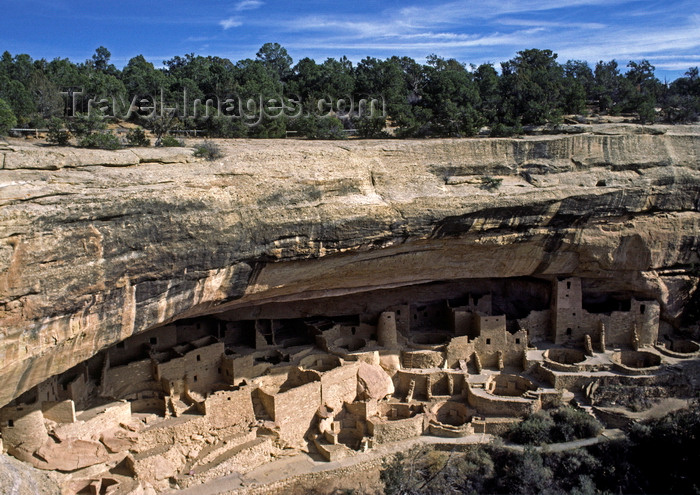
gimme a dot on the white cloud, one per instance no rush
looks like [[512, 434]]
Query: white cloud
[[230, 23], [248, 5]]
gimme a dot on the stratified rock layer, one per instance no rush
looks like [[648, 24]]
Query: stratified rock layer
[[97, 246]]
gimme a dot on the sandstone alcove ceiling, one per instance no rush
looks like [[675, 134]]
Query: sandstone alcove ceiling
[[100, 246]]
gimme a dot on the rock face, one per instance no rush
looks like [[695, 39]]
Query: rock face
[[373, 382], [96, 247]]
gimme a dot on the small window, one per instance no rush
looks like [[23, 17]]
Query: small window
[[199, 357], [415, 317], [153, 340], [567, 295], [488, 341], [573, 314], [517, 341], [352, 330], [194, 378], [228, 398], [10, 423], [219, 370], [642, 308], [568, 331], [398, 312], [121, 345], [568, 285]]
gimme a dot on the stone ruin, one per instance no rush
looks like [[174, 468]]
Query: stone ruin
[[192, 401]]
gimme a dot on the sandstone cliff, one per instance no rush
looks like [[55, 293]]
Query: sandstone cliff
[[96, 246]]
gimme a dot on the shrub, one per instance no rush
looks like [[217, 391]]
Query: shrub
[[137, 137], [370, 127], [7, 118], [561, 425], [208, 150], [57, 134], [490, 183], [169, 141], [571, 424], [84, 125], [330, 128], [501, 130], [105, 141], [534, 430]]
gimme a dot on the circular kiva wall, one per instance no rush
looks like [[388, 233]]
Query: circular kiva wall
[[451, 413], [565, 356], [320, 362], [685, 346], [509, 385], [636, 359], [395, 411]]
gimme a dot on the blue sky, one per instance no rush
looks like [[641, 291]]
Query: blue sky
[[665, 32]]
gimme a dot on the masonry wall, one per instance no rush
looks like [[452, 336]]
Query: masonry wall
[[230, 408], [111, 416], [60, 412], [339, 385], [461, 322], [23, 426], [136, 347], [488, 345], [538, 325], [384, 431], [487, 404], [124, 380], [460, 348], [49, 390], [294, 411], [200, 366], [78, 390]]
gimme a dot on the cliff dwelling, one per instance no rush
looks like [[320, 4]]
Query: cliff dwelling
[[197, 399], [298, 307]]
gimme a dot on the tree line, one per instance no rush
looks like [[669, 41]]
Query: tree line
[[442, 97]]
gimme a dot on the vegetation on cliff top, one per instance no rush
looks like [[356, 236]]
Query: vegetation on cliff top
[[440, 98]]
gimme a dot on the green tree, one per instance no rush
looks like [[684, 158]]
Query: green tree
[[452, 97], [486, 79], [57, 133], [142, 79], [7, 118], [275, 59], [577, 87], [531, 85], [609, 87], [644, 90]]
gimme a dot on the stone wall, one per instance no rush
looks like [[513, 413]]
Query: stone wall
[[200, 366], [293, 410], [230, 408], [60, 412], [121, 381], [107, 417], [385, 431], [23, 426], [339, 385]]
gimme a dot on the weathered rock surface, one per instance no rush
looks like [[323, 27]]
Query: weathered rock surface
[[373, 382], [18, 478], [97, 246]]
